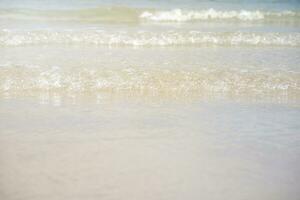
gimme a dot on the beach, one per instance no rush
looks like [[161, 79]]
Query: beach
[[149, 100]]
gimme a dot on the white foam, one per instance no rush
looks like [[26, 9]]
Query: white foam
[[204, 80], [178, 15], [148, 38]]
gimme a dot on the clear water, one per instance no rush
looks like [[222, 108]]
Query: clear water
[[149, 99]]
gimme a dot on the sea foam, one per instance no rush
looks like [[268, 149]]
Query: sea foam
[[147, 38], [179, 15], [135, 80]]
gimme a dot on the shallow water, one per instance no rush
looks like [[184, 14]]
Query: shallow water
[[149, 100], [148, 149]]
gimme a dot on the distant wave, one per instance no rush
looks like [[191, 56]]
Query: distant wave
[[100, 14], [135, 80], [178, 15], [147, 38], [128, 14]]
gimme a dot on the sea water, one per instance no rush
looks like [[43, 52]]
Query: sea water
[[149, 99]]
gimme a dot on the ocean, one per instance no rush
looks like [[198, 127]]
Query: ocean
[[149, 99]]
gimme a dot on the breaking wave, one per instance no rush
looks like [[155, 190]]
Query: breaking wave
[[128, 14], [136, 80], [147, 38], [178, 15]]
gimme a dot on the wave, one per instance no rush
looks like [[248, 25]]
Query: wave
[[100, 14], [146, 38], [178, 15], [135, 80], [129, 14]]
